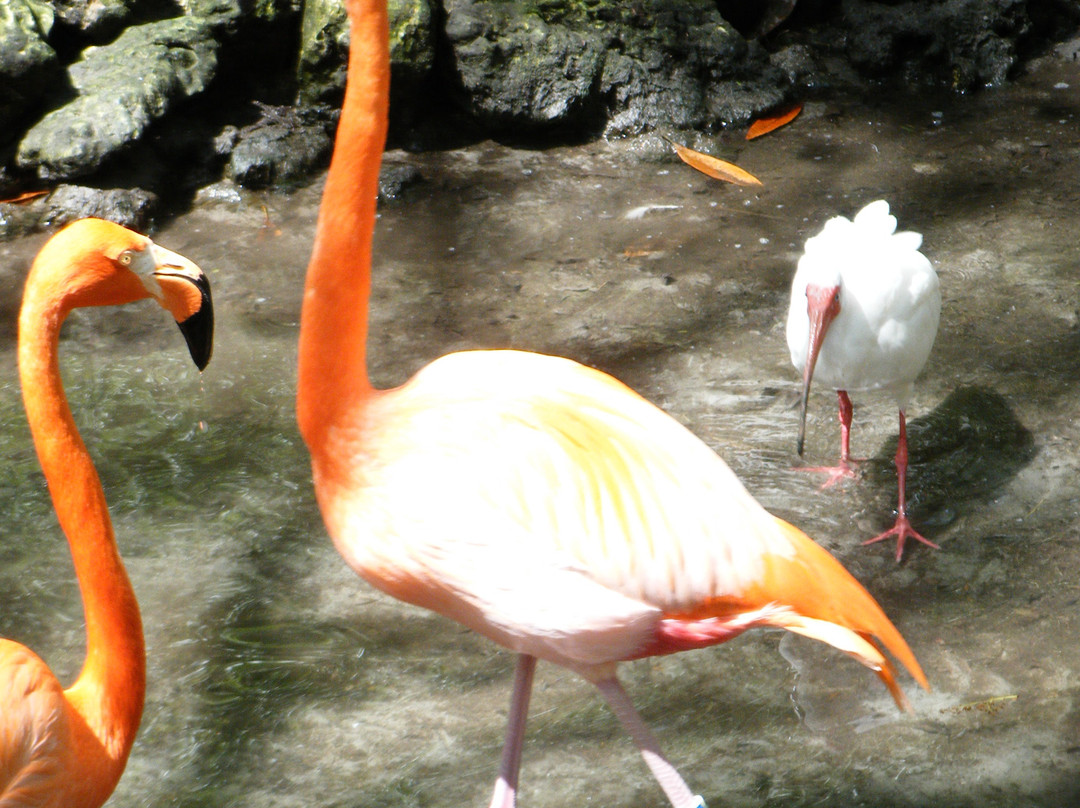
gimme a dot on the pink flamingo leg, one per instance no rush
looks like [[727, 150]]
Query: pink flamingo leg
[[844, 416], [846, 466], [678, 793], [902, 529], [506, 785]]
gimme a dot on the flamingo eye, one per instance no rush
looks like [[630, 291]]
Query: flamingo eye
[[126, 258]]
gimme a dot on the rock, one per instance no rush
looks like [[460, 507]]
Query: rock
[[224, 9], [17, 221], [961, 43], [257, 46], [97, 20], [395, 179], [10, 185], [286, 145], [679, 64], [462, 70], [132, 208], [412, 39], [324, 47], [28, 64], [797, 63], [619, 68], [757, 17], [220, 193], [514, 68], [119, 90]]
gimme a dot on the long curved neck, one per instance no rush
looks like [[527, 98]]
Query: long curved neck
[[110, 689], [333, 376]]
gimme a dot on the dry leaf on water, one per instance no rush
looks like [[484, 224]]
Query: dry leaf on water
[[764, 125], [24, 197], [714, 166]]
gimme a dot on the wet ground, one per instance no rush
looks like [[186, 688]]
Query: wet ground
[[278, 679]]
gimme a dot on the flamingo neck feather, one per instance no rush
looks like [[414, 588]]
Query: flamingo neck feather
[[109, 691], [333, 379]]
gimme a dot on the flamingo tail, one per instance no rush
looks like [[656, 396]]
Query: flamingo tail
[[826, 603]]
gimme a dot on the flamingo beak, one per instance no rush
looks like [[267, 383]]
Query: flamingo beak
[[822, 306], [186, 294]]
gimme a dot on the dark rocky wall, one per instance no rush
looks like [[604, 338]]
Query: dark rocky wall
[[157, 98]]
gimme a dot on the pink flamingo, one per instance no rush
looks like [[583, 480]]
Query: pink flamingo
[[539, 502], [68, 747]]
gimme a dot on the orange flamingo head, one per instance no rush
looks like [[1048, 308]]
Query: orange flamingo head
[[92, 262]]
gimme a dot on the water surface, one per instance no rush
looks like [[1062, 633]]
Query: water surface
[[278, 679]]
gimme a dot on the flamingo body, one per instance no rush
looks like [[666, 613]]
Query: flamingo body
[[537, 501], [66, 748], [865, 305], [535, 471]]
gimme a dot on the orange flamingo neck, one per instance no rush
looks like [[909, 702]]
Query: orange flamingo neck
[[333, 378], [109, 691]]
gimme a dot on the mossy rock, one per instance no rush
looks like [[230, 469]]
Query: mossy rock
[[28, 64], [324, 48], [118, 90], [616, 68]]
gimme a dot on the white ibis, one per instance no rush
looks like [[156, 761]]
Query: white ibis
[[864, 311]]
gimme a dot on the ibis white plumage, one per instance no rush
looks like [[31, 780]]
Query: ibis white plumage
[[865, 305]]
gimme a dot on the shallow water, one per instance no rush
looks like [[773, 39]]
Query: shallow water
[[278, 679]]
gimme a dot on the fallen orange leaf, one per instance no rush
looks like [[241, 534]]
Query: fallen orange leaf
[[714, 166], [24, 197], [764, 125]]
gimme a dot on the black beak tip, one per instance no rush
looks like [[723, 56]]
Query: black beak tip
[[198, 329]]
